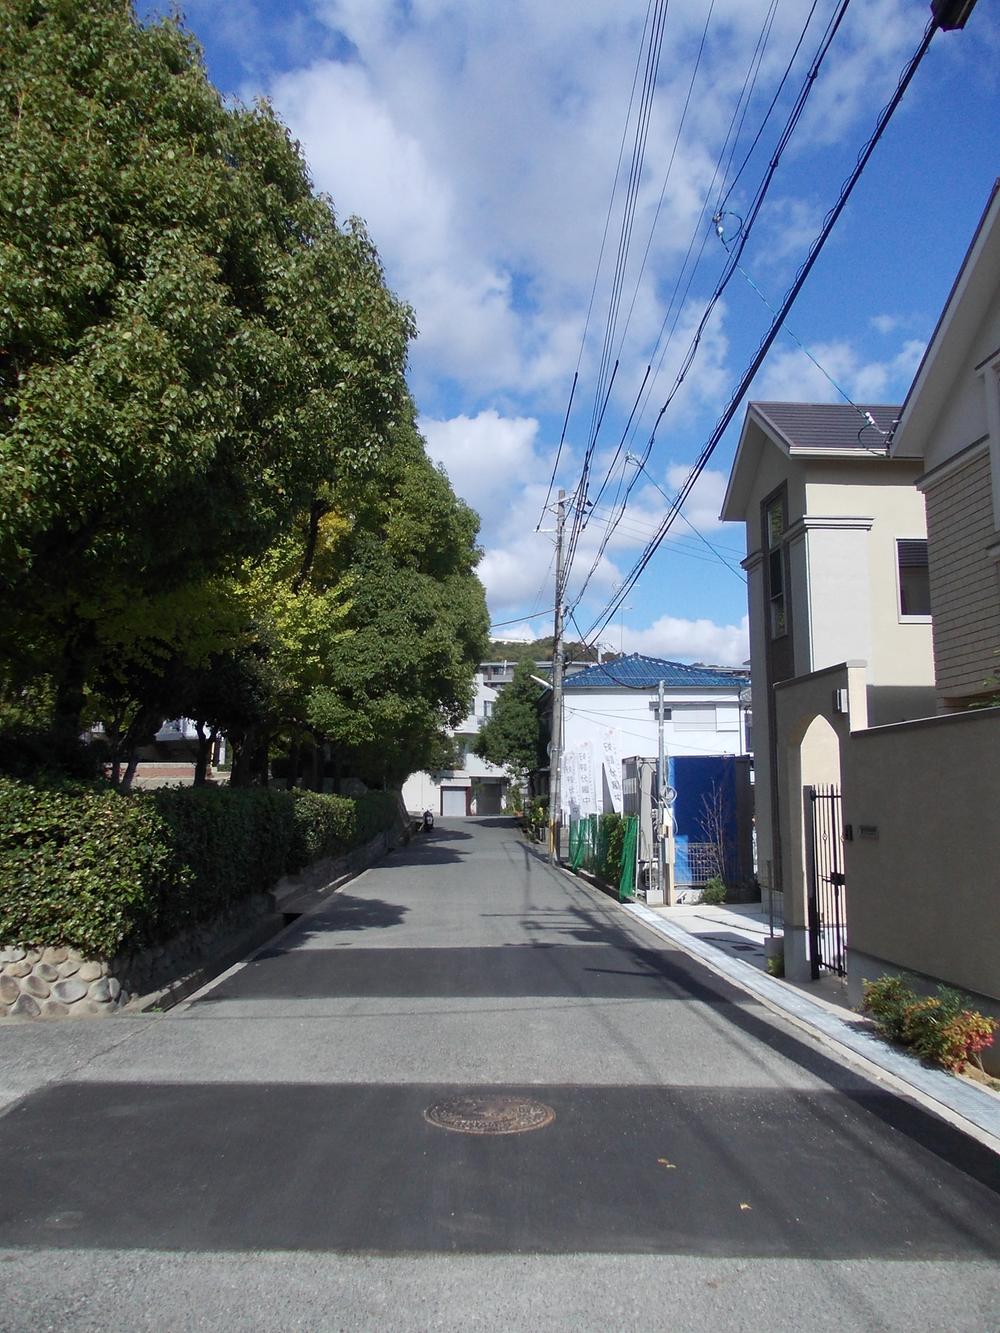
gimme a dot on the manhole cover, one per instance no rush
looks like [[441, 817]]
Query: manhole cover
[[490, 1115]]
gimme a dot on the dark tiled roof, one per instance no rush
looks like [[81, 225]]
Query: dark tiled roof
[[828, 425], [638, 672]]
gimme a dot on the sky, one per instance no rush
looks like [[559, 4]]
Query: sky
[[488, 147]]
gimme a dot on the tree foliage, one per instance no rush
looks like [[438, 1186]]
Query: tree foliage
[[214, 500], [191, 345], [417, 621], [512, 736]]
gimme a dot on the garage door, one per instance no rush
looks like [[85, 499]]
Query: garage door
[[453, 800]]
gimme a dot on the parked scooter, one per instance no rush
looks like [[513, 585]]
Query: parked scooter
[[428, 820]]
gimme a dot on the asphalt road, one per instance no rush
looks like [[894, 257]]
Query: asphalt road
[[271, 1154]]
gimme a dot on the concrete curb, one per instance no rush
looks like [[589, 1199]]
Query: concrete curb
[[976, 1112]]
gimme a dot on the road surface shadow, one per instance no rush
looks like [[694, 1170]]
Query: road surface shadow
[[721, 1172]]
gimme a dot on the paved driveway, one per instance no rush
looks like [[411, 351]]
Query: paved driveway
[[272, 1154]]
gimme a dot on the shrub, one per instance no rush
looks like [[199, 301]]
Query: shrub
[[88, 867], [82, 866], [536, 813], [610, 845], [887, 1000], [232, 841], [940, 1028], [714, 892]]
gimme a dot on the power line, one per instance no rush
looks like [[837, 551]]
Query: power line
[[631, 194], [600, 257], [767, 115], [718, 554], [519, 620], [638, 525], [866, 417], [753, 69], [603, 384], [728, 270], [562, 437], [804, 270], [666, 177]]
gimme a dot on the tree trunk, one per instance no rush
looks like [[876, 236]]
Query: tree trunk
[[260, 761], [294, 763], [69, 698], [240, 747], [204, 750], [129, 775]]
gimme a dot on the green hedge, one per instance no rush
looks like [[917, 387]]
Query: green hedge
[[87, 867]]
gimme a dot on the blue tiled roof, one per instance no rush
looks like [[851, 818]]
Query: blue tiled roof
[[639, 672]]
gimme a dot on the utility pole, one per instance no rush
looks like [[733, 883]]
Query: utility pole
[[661, 786], [555, 748]]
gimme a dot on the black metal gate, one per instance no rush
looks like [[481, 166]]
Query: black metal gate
[[827, 904]]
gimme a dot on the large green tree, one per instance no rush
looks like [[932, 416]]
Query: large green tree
[[191, 348], [513, 735], [417, 620]]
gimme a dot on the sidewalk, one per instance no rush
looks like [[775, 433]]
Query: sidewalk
[[730, 940], [740, 931]]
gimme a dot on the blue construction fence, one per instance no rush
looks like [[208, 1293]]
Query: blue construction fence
[[714, 797]]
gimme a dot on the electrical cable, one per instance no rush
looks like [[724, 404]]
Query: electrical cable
[[562, 437], [730, 268], [600, 256], [637, 525], [680, 514], [805, 268], [753, 69], [724, 199], [867, 419], [631, 196], [667, 174], [519, 620], [602, 390]]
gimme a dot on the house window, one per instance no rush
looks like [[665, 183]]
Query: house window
[[913, 578], [694, 717], [774, 526], [488, 707]]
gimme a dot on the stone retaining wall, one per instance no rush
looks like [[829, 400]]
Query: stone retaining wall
[[63, 983], [53, 983]]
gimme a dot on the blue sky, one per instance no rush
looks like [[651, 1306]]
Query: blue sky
[[479, 141]]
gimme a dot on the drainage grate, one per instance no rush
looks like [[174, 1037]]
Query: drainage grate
[[486, 1114]]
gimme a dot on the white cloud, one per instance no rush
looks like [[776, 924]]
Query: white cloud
[[487, 457], [459, 130], [705, 501], [885, 324], [790, 226], [691, 640], [789, 375]]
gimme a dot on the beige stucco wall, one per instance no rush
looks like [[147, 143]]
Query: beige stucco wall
[[925, 892], [811, 734], [773, 468], [898, 653], [845, 516]]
